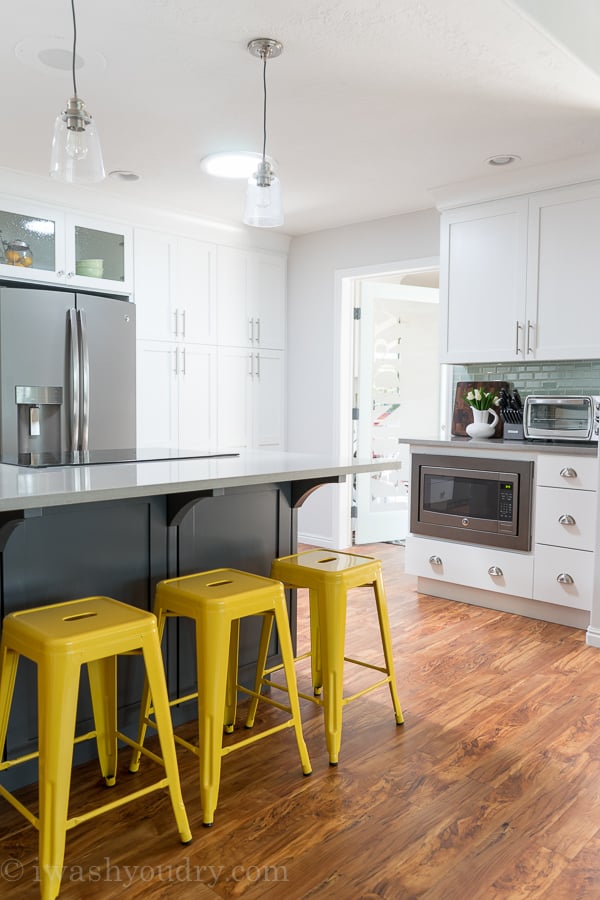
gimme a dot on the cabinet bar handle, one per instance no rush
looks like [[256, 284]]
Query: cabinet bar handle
[[251, 369], [184, 366], [565, 578], [495, 570], [183, 323], [517, 330], [568, 472], [176, 361], [258, 365], [176, 328], [530, 327], [566, 519], [435, 560], [251, 330], [258, 330]]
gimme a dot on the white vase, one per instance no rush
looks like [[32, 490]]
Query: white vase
[[481, 427]]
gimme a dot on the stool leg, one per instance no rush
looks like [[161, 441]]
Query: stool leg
[[386, 640], [134, 765], [261, 665], [232, 677], [102, 674], [8, 672], [155, 673], [287, 656], [213, 639], [316, 667], [332, 625], [58, 687]]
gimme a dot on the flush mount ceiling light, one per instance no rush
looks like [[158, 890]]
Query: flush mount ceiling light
[[232, 163], [263, 196], [504, 159], [76, 153]]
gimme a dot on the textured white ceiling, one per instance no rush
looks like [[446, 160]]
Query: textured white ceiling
[[373, 103]]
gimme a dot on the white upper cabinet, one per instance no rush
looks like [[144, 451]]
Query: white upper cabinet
[[175, 283], [47, 246], [251, 298], [519, 278], [563, 289], [483, 281]]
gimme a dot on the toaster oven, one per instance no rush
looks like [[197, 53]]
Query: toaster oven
[[573, 418]]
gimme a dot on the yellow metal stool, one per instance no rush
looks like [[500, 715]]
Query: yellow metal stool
[[216, 601], [60, 638], [329, 575]]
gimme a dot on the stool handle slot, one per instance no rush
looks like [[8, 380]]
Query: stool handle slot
[[327, 559], [218, 583], [89, 615]]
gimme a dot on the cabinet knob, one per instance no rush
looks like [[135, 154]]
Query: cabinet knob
[[495, 571], [566, 519], [435, 560], [568, 472], [61, 273], [70, 274], [565, 578]]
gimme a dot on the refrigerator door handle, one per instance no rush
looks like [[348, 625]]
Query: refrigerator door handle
[[85, 382], [74, 352]]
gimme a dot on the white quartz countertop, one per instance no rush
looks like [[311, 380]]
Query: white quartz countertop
[[499, 445], [25, 488]]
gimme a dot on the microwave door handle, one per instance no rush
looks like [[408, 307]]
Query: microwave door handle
[[74, 354], [85, 382]]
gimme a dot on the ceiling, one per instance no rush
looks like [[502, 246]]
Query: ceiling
[[372, 105]]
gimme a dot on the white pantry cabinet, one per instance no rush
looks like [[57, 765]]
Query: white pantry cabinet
[[519, 278], [59, 242], [251, 391], [251, 292], [175, 288], [176, 395]]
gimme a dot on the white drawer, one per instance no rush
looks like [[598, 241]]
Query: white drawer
[[567, 471], [470, 565], [554, 562], [556, 503]]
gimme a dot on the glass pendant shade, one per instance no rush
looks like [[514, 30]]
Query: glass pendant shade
[[76, 155], [263, 201]]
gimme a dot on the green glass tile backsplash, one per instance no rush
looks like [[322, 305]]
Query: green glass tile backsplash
[[564, 377]]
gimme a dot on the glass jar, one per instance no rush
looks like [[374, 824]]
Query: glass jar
[[17, 253]]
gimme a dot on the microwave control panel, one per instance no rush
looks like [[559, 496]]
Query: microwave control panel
[[506, 493]]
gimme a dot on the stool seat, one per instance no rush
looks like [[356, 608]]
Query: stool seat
[[216, 600], [60, 638], [329, 575]]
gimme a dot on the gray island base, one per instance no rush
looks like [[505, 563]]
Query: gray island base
[[117, 530]]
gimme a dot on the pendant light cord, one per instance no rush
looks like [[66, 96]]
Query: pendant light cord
[[264, 105], [74, 47]]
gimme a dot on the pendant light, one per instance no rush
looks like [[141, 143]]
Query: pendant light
[[263, 195], [76, 152]]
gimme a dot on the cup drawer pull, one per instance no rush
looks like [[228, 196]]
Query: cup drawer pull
[[435, 560], [495, 570], [566, 519], [565, 578], [568, 472]]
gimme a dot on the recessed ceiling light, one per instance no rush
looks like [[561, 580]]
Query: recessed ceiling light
[[503, 159], [124, 175], [54, 56], [232, 164]]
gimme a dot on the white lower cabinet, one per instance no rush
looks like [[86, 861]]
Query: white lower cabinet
[[563, 576], [565, 518], [251, 391], [484, 568], [176, 395]]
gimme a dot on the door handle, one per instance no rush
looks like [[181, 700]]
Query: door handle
[[517, 330], [85, 382], [495, 571], [258, 366], [74, 348], [568, 472], [435, 560], [565, 578], [258, 330], [530, 327], [566, 519], [251, 331]]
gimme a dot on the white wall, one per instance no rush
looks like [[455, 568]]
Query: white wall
[[313, 334]]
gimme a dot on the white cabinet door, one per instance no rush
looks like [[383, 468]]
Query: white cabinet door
[[194, 290], [268, 400], [563, 302], [235, 392], [483, 282], [107, 243], [157, 400], [153, 264], [197, 379], [565, 518], [251, 298], [565, 577]]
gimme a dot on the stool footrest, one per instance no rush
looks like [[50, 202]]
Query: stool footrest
[[25, 812], [114, 804]]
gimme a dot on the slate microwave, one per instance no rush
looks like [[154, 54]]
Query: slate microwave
[[473, 500]]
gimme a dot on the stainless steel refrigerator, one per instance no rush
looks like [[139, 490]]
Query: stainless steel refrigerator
[[67, 371]]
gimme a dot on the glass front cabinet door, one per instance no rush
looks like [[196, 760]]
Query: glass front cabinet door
[[99, 254], [31, 243]]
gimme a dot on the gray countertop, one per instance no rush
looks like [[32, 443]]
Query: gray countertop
[[502, 446], [24, 488]]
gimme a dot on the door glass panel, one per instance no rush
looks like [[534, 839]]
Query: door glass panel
[[99, 254], [27, 241]]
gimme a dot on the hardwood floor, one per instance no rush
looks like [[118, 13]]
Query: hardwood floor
[[491, 788]]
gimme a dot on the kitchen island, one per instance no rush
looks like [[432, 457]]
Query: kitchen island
[[117, 530]]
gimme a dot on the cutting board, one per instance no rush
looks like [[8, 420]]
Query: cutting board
[[462, 411]]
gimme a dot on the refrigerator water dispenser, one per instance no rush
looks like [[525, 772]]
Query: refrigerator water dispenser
[[38, 418]]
